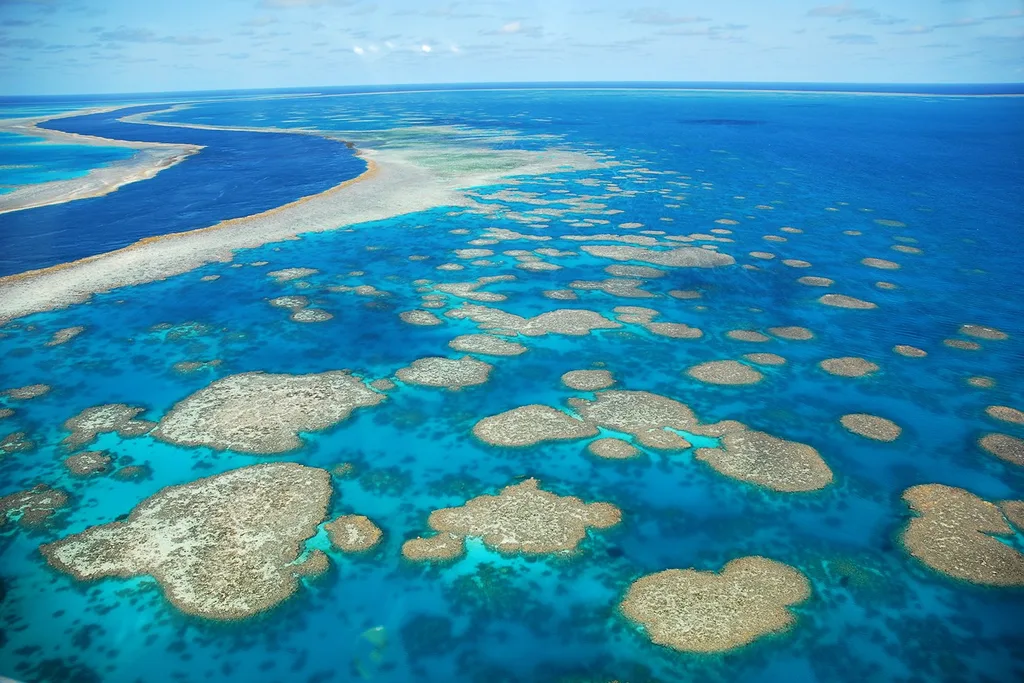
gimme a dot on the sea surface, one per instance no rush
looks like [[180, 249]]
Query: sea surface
[[942, 173]]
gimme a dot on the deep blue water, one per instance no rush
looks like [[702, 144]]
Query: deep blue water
[[949, 168], [237, 174]]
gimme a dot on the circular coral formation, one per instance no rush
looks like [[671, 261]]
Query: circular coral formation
[[65, 335], [419, 317], [256, 412], [222, 547], [29, 392], [792, 332], [695, 611], [111, 417], [353, 533], [747, 336], [486, 344], [953, 534], [1004, 447], [532, 424], [871, 426], [768, 461], [310, 315], [525, 519], [289, 302], [909, 351], [31, 508], [763, 255], [981, 382], [843, 301], [588, 380], [983, 332], [436, 371], [1006, 414], [437, 548], [765, 358], [848, 366], [880, 263], [727, 372], [87, 463], [612, 449], [814, 281]]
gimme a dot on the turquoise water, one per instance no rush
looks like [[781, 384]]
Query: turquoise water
[[30, 160], [946, 167]]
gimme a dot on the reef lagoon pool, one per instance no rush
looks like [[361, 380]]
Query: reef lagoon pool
[[512, 384]]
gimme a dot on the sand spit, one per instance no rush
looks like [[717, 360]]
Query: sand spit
[[149, 159], [222, 547], [529, 425], [682, 257], [953, 534], [588, 380], [33, 507], [353, 533], [567, 321], [399, 180], [111, 417], [694, 611], [486, 345], [449, 373], [261, 413], [521, 519], [871, 426]]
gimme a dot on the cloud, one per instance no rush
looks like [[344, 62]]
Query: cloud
[[141, 35], [425, 48], [914, 30], [358, 50], [854, 39], [659, 17], [259, 21], [287, 4], [842, 11], [515, 28], [958, 23]]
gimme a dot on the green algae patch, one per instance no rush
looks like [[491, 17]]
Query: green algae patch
[[222, 547], [705, 611]]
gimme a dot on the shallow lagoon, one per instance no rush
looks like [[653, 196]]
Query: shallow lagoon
[[875, 612]]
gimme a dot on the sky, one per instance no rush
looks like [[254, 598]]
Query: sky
[[126, 46]]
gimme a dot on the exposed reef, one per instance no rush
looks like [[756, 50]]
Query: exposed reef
[[111, 417], [682, 257], [353, 533], [486, 344], [567, 321], [1004, 447], [612, 449], [529, 425], [33, 507], [725, 372], [871, 426], [436, 371], [848, 366], [222, 547], [768, 461], [696, 611], [588, 380], [256, 412]]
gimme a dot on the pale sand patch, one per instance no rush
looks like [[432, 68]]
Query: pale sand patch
[[765, 358], [682, 257], [486, 344], [983, 332], [65, 335], [1006, 414], [399, 180], [588, 380], [1004, 447], [149, 159], [909, 351], [523, 519], [222, 548], [792, 332], [353, 533], [814, 281], [747, 336], [419, 317], [848, 366], [612, 449], [880, 263], [567, 321], [954, 532], [726, 372], [263, 413], [871, 426], [703, 612], [843, 301], [436, 371]]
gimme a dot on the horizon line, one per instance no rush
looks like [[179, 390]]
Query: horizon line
[[925, 88]]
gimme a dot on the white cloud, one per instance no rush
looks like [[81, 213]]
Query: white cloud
[[511, 27], [425, 47], [358, 50]]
